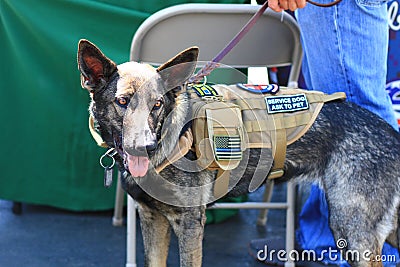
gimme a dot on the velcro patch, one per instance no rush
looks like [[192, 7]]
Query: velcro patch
[[227, 147], [286, 103], [259, 88], [204, 90]]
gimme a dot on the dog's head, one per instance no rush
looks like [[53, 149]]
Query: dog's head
[[133, 103]]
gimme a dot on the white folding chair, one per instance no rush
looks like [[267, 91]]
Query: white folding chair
[[274, 41]]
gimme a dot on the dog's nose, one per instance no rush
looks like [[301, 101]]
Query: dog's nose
[[146, 149], [151, 147]]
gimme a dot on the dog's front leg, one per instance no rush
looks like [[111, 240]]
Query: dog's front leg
[[188, 225], [156, 236]]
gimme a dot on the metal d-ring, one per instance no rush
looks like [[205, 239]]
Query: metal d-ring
[[204, 80], [110, 153]]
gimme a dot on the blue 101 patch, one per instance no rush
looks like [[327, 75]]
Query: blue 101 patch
[[286, 103]]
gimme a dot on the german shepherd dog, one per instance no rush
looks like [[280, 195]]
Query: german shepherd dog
[[142, 112]]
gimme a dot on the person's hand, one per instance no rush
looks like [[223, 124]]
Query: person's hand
[[280, 5]]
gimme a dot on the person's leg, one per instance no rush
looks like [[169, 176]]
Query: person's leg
[[345, 49]]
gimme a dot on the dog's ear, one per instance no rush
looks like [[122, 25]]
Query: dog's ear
[[180, 68], [95, 67]]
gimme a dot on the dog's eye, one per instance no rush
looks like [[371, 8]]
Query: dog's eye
[[122, 101], [158, 105]]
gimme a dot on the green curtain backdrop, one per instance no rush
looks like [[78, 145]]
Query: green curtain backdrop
[[47, 154]]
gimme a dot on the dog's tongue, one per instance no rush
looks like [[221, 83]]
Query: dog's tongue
[[138, 166]]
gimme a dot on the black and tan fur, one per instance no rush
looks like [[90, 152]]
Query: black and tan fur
[[350, 152]]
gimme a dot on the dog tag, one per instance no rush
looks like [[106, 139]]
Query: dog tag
[[108, 176], [108, 170]]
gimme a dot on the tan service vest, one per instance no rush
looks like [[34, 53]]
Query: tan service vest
[[232, 120]]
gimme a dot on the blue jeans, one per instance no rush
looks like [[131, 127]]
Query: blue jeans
[[345, 49]]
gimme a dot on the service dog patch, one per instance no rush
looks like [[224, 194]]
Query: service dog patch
[[286, 103]]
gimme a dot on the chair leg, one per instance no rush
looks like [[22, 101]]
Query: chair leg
[[117, 219], [131, 234], [263, 215], [290, 221]]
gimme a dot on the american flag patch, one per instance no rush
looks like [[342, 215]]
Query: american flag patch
[[227, 147]]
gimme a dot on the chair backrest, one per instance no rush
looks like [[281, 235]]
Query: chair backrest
[[273, 41]]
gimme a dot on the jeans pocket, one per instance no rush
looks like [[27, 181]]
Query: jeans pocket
[[371, 3]]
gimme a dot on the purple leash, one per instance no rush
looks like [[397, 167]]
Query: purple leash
[[214, 63]]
